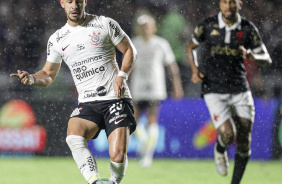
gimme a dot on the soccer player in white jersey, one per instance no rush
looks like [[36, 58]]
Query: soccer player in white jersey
[[148, 83], [87, 45]]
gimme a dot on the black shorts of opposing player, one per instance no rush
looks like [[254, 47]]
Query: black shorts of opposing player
[[108, 114], [145, 104]]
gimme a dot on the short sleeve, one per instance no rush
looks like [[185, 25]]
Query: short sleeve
[[254, 41], [53, 53], [169, 55], [198, 34], [114, 30]]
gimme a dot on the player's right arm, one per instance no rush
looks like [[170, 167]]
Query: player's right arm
[[191, 53], [44, 77], [197, 37], [47, 75]]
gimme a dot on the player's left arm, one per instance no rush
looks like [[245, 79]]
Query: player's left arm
[[256, 50], [262, 58], [130, 55]]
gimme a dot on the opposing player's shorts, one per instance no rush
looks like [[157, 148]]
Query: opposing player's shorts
[[145, 104], [223, 106], [108, 114]]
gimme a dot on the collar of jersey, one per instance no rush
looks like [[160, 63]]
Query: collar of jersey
[[222, 24]]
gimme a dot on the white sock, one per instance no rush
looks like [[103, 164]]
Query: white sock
[[83, 157], [153, 135], [118, 170]]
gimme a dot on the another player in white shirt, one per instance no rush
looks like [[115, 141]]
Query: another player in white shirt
[[87, 45], [148, 83]]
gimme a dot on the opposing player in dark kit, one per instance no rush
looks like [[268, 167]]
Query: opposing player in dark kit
[[227, 39]]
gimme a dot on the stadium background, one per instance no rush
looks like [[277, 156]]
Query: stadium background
[[33, 120]]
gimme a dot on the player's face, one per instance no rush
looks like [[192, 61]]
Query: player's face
[[229, 8], [147, 29], [74, 9]]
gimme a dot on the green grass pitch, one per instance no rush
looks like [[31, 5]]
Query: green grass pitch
[[63, 170]]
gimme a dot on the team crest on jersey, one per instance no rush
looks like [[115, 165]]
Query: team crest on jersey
[[95, 39], [240, 35], [214, 32], [75, 112]]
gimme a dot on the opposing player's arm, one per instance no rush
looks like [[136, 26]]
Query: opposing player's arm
[[191, 53], [255, 50], [44, 77]]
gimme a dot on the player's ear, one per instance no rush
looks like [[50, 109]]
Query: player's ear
[[85, 2], [62, 3], [240, 4]]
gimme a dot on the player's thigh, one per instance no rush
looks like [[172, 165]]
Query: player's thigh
[[118, 143], [218, 107], [82, 127], [244, 108]]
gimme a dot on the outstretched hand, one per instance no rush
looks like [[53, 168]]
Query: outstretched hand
[[22, 76], [118, 86]]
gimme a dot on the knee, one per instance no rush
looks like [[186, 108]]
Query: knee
[[76, 142], [118, 156], [227, 137]]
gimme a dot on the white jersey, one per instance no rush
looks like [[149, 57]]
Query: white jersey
[[89, 52], [148, 76]]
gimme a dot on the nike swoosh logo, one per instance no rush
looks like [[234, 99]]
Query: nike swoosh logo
[[65, 47], [117, 122]]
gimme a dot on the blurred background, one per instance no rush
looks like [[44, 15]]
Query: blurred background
[[33, 120]]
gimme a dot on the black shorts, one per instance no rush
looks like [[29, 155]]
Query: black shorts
[[145, 104], [108, 114]]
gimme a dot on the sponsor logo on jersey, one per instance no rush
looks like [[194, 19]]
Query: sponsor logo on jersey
[[93, 25], [80, 47], [101, 91], [64, 48], [95, 39], [90, 93], [63, 35], [83, 72], [50, 44], [225, 50], [88, 60], [115, 28]]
